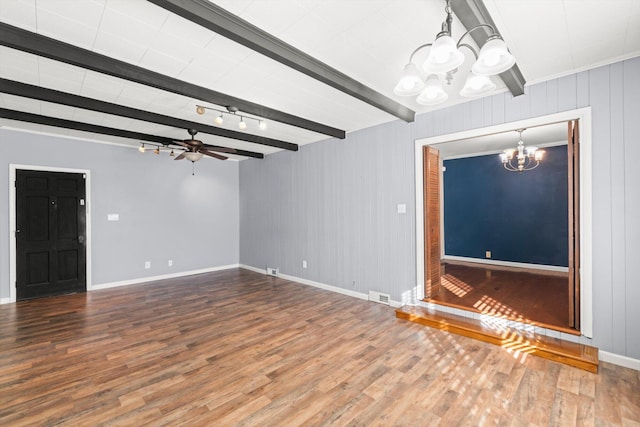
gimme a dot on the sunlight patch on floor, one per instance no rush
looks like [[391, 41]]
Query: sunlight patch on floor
[[455, 285]]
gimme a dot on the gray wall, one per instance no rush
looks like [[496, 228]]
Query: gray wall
[[165, 212], [334, 203]]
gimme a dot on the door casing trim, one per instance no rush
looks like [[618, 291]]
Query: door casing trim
[[12, 220], [586, 202]]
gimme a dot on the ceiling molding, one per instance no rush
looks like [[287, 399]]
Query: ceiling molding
[[27, 41], [219, 20], [103, 130], [472, 13], [49, 95]]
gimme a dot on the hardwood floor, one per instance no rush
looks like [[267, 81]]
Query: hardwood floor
[[540, 299], [241, 348]]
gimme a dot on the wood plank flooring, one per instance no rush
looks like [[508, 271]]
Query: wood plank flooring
[[241, 348], [536, 298]]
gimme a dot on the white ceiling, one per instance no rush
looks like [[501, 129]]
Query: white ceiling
[[369, 40]]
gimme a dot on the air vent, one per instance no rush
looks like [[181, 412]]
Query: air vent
[[379, 297], [272, 271]]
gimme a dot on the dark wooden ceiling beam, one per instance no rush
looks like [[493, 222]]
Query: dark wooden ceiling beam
[[43, 94], [219, 20], [27, 41], [103, 130], [472, 13]]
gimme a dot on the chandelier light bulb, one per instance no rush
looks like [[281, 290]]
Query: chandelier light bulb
[[494, 58], [433, 93], [411, 82], [443, 57]]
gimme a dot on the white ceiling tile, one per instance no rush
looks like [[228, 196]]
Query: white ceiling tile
[[56, 110], [66, 30], [86, 13], [162, 63], [176, 47], [101, 87], [119, 48], [183, 29], [19, 66], [19, 13], [118, 23], [150, 15], [54, 72]]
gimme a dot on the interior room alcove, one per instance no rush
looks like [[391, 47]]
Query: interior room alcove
[[525, 278]]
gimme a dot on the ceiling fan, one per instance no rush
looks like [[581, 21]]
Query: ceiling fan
[[196, 149]]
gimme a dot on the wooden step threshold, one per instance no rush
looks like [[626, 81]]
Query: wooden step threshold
[[572, 354]]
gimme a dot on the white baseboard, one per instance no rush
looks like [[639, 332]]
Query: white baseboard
[[161, 277], [324, 286], [5, 300], [506, 263], [619, 360]]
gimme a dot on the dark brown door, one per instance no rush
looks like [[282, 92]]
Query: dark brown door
[[431, 162], [50, 233], [573, 153]]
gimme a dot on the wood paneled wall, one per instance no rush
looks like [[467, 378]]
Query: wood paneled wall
[[334, 203]]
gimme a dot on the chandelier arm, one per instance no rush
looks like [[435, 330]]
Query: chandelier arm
[[417, 49], [493, 32], [469, 47]]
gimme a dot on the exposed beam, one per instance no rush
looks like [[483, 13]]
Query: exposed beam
[[27, 41], [472, 13], [43, 94], [219, 20], [103, 130]]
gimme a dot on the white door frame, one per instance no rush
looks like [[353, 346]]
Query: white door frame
[[586, 202], [12, 220]]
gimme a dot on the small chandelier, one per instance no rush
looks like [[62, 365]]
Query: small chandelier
[[527, 158], [443, 61]]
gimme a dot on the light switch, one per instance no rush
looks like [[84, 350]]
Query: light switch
[[113, 217], [402, 208]]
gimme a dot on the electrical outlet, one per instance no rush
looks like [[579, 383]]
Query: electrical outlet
[[304, 263], [487, 254], [147, 264], [170, 263]]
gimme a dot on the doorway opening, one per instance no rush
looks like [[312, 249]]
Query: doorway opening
[[512, 290], [49, 231]]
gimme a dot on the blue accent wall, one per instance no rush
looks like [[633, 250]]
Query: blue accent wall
[[519, 217]]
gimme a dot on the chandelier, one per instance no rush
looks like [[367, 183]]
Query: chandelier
[[526, 158], [445, 57]]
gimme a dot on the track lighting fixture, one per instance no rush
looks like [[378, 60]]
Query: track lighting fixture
[[142, 149], [172, 154], [445, 56], [231, 110], [157, 150]]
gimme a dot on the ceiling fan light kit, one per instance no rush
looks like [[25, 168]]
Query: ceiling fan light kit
[[445, 56], [233, 111]]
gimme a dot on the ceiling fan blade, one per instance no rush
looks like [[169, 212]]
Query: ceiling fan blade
[[210, 154], [219, 149], [184, 144], [181, 156]]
